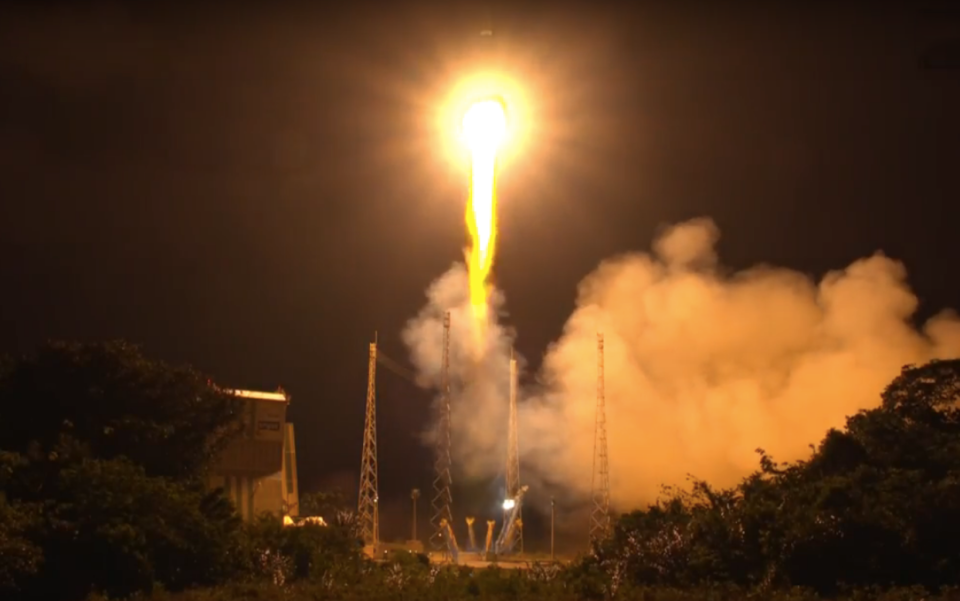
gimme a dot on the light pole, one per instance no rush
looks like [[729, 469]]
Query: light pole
[[414, 495], [553, 515]]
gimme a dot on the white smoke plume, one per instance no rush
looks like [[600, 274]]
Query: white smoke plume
[[479, 388], [702, 366]]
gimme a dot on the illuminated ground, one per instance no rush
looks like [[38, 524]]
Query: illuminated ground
[[513, 562]]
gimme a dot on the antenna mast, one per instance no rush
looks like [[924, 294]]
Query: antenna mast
[[600, 516], [368, 504], [442, 498], [513, 449]]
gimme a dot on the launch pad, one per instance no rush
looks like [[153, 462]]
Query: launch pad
[[484, 129], [503, 546]]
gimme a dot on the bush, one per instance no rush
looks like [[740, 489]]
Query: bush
[[107, 526], [392, 582], [102, 468], [20, 558], [875, 505], [287, 554]]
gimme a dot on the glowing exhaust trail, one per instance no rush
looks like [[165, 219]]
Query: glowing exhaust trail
[[484, 125]]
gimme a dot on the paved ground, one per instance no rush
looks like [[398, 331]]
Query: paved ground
[[479, 563], [475, 560]]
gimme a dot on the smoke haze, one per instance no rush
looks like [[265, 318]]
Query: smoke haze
[[479, 386], [702, 366]]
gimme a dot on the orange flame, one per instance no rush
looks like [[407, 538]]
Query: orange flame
[[484, 125]]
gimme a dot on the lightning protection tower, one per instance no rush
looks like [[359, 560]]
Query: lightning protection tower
[[368, 505], [600, 482], [442, 498], [513, 450]]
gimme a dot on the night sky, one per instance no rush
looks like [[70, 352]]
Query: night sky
[[256, 190]]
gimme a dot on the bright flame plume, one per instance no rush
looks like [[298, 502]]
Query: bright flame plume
[[484, 125]]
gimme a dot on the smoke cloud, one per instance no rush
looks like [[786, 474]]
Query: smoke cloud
[[702, 366], [479, 386]]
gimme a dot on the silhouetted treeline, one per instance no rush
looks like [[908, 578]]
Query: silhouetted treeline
[[103, 470], [877, 504], [104, 456]]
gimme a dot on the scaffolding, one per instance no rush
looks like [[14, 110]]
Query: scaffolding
[[368, 512], [600, 481], [442, 497]]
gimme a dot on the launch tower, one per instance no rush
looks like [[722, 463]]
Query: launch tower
[[600, 482], [512, 472], [442, 497], [368, 512]]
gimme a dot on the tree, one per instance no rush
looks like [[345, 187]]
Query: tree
[[107, 453], [877, 503], [170, 420], [21, 557], [326, 504], [106, 525], [306, 550]]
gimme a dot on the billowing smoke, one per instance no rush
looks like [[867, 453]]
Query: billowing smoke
[[479, 386], [702, 366]]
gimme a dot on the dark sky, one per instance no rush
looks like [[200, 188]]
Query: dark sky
[[255, 190]]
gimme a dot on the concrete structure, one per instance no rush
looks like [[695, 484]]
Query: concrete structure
[[258, 470]]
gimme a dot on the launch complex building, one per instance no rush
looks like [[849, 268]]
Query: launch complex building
[[258, 469]]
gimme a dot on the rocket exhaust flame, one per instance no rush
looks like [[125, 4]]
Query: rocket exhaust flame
[[484, 125]]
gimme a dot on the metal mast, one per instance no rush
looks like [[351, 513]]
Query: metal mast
[[600, 482], [442, 498], [367, 508], [513, 448]]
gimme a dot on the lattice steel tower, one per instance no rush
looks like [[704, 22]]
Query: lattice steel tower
[[368, 511], [442, 498], [513, 450], [600, 482]]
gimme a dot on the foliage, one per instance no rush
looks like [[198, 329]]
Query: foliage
[[106, 525], [325, 504], [410, 582], [102, 474], [287, 554], [103, 455], [20, 558], [168, 419], [875, 504]]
